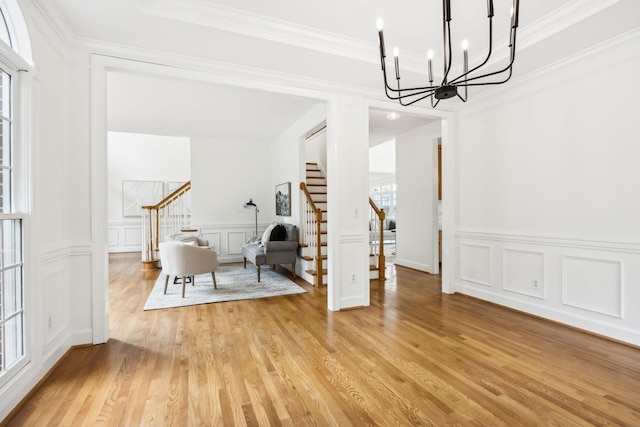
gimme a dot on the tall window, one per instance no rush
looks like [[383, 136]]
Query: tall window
[[12, 310], [384, 196]]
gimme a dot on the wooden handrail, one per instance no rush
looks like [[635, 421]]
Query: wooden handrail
[[171, 197], [318, 232], [381, 258], [379, 212]]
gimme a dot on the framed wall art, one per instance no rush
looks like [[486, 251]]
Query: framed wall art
[[283, 199]]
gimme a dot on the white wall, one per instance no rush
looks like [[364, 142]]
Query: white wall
[[316, 149], [547, 181], [58, 247], [415, 165], [226, 174], [347, 203], [138, 157], [382, 157]]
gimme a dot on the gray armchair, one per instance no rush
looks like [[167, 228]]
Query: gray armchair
[[273, 252]]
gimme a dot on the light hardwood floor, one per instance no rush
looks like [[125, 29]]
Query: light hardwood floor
[[414, 357]]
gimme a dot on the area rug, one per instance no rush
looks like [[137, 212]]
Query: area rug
[[234, 283]]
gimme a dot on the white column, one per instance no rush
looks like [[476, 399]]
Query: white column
[[348, 203]]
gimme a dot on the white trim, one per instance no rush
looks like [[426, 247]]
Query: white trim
[[560, 19], [266, 28], [99, 204], [263, 27], [18, 32], [613, 50], [549, 240]]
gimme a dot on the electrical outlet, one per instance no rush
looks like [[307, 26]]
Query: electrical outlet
[[353, 278], [535, 284]]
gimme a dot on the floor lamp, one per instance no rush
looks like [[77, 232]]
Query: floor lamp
[[251, 205]]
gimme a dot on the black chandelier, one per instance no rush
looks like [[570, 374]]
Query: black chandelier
[[448, 88]]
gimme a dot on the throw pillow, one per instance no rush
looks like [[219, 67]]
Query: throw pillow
[[267, 233], [278, 234]]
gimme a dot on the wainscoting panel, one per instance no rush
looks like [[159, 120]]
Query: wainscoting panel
[[214, 240], [235, 240], [523, 272], [354, 274], [475, 265], [55, 278], [124, 236], [592, 284], [113, 237], [132, 237], [226, 239]]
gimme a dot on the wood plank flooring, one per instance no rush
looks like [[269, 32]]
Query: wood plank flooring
[[414, 357]]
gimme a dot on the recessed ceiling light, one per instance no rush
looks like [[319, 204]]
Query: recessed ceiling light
[[393, 116]]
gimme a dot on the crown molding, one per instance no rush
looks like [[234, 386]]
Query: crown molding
[[561, 19], [619, 48], [54, 19], [253, 25], [259, 26], [204, 13]]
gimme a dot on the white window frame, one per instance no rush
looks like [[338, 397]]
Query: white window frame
[[16, 60], [18, 211]]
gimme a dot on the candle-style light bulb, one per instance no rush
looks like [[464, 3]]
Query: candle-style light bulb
[[380, 24], [396, 54], [489, 8], [430, 65], [515, 11], [465, 57]]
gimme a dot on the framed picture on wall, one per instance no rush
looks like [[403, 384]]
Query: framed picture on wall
[[283, 199]]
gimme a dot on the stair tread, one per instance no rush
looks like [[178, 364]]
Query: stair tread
[[313, 272], [310, 258]]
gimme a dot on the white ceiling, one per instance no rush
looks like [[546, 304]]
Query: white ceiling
[[333, 42]]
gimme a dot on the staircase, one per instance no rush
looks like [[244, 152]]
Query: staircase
[[169, 215], [314, 230], [314, 224], [377, 260]]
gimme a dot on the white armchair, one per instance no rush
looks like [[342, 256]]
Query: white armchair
[[184, 261]]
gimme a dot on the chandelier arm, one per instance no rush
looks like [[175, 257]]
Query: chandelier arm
[[485, 59], [413, 91], [406, 104], [446, 32], [448, 89], [399, 96], [409, 89], [507, 68], [389, 88], [510, 69]]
